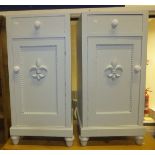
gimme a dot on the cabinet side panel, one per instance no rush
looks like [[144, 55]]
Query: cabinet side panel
[[10, 64], [143, 68], [79, 69], [68, 72]]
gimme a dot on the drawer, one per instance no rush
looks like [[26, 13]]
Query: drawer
[[37, 26], [111, 24]]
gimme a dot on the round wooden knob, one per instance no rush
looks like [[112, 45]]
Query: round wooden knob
[[137, 68], [16, 69], [37, 24], [114, 23]]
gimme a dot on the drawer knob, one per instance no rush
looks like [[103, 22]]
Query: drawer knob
[[37, 24], [114, 23], [16, 69], [137, 68]]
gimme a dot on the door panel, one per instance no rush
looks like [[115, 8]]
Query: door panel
[[113, 86], [40, 83]]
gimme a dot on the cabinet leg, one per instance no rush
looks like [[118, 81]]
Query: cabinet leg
[[15, 139], [83, 140], [139, 140], [69, 141]]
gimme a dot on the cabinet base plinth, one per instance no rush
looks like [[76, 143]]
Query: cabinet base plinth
[[17, 132], [110, 131]]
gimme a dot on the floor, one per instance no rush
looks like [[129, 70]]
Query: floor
[[108, 143]]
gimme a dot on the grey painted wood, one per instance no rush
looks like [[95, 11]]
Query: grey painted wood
[[79, 68], [41, 131], [39, 101], [39, 75], [113, 101], [47, 26], [113, 56], [115, 24]]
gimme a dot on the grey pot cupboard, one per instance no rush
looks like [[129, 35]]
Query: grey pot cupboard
[[111, 74], [39, 75]]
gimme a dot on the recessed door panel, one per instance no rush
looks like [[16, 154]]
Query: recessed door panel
[[113, 83], [40, 81]]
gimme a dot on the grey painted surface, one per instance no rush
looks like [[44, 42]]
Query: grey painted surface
[[113, 59], [39, 75]]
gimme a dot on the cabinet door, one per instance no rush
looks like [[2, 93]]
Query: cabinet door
[[38, 82], [113, 80]]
